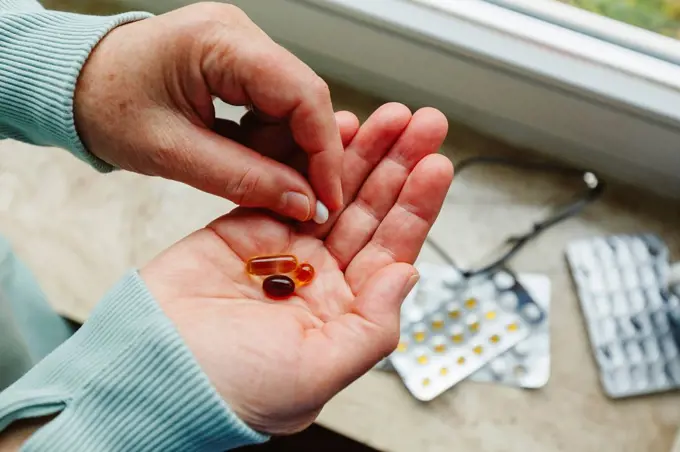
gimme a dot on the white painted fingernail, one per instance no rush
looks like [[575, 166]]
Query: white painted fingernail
[[321, 213]]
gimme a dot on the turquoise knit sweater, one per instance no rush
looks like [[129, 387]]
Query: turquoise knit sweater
[[125, 381]]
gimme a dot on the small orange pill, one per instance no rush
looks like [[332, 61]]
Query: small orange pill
[[271, 265], [304, 274]]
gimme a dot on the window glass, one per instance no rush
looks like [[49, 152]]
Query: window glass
[[661, 16]]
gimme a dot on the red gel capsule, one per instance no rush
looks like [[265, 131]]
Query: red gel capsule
[[278, 286]]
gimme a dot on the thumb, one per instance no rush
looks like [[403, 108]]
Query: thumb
[[230, 170], [379, 302], [370, 331]]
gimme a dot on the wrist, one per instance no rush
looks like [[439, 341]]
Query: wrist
[[126, 376], [93, 94], [39, 66]]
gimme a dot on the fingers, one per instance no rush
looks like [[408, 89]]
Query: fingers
[[280, 86], [379, 301], [274, 140], [377, 136], [356, 225], [312, 122], [359, 339], [401, 234], [230, 170], [348, 124], [373, 140]]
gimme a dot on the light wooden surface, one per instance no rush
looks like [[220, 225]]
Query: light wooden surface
[[79, 231]]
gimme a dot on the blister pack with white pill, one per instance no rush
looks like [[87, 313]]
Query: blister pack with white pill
[[452, 326], [633, 320], [527, 364], [674, 279]]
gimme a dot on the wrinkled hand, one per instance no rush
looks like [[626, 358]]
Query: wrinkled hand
[[144, 103], [277, 363]]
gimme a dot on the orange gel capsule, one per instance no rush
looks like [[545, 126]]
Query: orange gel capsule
[[271, 265], [304, 274]]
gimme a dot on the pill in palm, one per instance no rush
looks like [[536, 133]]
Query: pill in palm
[[278, 286], [304, 274], [272, 264]]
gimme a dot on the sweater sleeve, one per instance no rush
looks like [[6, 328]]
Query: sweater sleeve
[[124, 381], [41, 55]]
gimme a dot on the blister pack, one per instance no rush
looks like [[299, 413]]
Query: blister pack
[[527, 364], [452, 326], [633, 320]]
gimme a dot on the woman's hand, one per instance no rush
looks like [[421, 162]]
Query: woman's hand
[[276, 363], [144, 103]]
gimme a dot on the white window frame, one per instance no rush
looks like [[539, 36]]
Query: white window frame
[[590, 99], [604, 28]]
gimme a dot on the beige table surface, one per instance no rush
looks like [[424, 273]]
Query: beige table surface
[[79, 231]]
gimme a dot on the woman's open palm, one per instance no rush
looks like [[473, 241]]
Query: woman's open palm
[[276, 363]]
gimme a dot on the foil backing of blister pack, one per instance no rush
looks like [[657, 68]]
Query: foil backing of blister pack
[[527, 364], [633, 320], [452, 326]]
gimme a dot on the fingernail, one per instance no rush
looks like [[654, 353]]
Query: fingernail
[[321, 214], [296, 205], [408, 287]]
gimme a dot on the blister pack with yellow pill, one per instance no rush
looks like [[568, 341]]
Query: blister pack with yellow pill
[[451, 327], [527, 364]]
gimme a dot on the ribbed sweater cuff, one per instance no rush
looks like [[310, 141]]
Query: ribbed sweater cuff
[[125, 381], [41, 55]]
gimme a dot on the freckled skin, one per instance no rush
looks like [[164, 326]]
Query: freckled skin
[[144, 103]]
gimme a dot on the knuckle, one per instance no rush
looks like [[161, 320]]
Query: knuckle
[[233, 12], [320, 91], [219, 18], [232, 9], [164, 156], [219, 10]]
